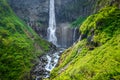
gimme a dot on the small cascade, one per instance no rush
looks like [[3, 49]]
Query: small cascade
[[80, 38], [51, 31], [74, 34], [48, 67]]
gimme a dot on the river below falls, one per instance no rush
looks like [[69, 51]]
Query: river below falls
[[46, 63]]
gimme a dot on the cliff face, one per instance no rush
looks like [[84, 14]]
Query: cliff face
[[36, 14], [37, 10], [70, 10], [33, 12]]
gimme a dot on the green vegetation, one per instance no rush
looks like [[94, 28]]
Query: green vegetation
[[97, 59], [78, 22], [102, 3], [19, 46]]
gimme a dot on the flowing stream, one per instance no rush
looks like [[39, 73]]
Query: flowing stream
[[46, 63]]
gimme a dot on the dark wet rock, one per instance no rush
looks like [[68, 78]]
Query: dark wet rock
[[82, 36]]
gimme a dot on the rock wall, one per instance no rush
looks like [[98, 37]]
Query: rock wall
[[70, 10], [36, 14], [33, 12]]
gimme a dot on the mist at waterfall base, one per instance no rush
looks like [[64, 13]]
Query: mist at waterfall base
[[66, 36]]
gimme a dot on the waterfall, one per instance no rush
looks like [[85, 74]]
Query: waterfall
[[74, 34], [64, 36], [51, 31], [80, 37]]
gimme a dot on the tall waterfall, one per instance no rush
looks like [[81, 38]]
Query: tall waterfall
[[51, 31]]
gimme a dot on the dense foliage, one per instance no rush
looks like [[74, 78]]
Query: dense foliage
[[19, 45], [95, 57], [78, 22]]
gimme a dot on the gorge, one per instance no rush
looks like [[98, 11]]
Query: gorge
[[36, 14], [49, 60], [59, 39]]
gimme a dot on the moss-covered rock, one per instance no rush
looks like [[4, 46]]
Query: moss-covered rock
[[101, 63]]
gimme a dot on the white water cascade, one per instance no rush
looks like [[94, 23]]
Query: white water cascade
[[51, 31], [52, 61], [74, 35]]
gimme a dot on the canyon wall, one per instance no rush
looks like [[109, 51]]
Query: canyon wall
[[36, 14]]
